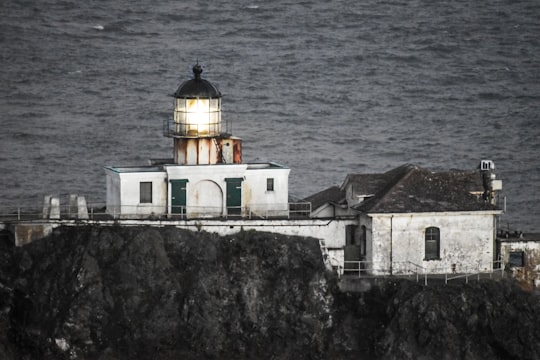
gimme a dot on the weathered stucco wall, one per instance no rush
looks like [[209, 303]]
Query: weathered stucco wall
[[262, 201], [466, 242], [330, 211], [27, 233], [206, 189], [123, 193], [331, 231], [528, 274]]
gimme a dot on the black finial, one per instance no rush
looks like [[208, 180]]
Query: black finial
[[197, 70]]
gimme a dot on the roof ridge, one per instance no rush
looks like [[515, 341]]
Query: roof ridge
[[397, 179]]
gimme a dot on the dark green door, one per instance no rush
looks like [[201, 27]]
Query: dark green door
[[178, 196], [234, 196]]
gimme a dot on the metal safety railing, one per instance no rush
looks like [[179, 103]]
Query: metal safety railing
[[216, 127], [475, 273], [403, 268], [366, 269], [55, 209]]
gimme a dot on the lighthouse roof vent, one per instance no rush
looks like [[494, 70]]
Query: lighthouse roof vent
[[197, 87]]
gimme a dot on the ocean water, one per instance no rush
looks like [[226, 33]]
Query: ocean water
[[325, 87]]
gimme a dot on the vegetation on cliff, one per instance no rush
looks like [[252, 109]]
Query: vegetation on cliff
[[163, 293]]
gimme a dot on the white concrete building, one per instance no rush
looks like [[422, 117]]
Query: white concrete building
[[411, 219], [206, 177]]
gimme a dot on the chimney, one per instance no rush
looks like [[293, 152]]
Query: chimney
[[489, 181]]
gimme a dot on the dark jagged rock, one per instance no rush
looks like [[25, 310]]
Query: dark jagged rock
[[404, 320], [482, 320], [163, 293]]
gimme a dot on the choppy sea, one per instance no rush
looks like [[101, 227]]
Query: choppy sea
[[325, 87]]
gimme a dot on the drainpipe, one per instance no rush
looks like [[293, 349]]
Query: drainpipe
[[391, 243], [167, 196]]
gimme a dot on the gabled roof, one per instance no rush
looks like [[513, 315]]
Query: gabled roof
[[331, 195], [369, 184], [408, 189]]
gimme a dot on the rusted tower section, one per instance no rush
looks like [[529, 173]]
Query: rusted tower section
[[200, 137]]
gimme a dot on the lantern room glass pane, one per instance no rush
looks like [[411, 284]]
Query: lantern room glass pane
[[197, 117], [180, 105], [214, 104]]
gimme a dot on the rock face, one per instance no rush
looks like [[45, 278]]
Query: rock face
[[482, 320], [138, 293], [163, 293]]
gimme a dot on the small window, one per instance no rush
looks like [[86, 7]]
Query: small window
[[270, 184], [146, 192], [433, 239], [516, 259]]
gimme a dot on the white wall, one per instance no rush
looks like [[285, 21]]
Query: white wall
[[332, 231], [466, 240], [113, 191], [202, 191], [123, 193], [261, 201], [529, 274], [206, 188], [325, 211], [330, 210], [205, 198]]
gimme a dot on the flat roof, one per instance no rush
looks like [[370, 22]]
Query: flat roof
[[268, 165], [159, 168], [128, 169]]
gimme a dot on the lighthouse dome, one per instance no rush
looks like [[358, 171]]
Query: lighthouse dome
[[197, 87]]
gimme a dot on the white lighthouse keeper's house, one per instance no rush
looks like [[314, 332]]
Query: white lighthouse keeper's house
[[206, 177]]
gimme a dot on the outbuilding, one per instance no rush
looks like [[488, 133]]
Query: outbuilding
[[411, 219]]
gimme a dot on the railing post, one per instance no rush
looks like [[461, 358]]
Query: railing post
[[18, 213]]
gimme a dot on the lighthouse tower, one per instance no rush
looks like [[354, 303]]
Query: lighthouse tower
[[199, 136]]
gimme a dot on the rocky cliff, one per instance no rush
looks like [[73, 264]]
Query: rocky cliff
[[163, 293]]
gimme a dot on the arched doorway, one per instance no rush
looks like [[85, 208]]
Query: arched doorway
[[205, 199]]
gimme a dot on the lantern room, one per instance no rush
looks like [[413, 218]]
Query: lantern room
[[199, 136], [197, 107]]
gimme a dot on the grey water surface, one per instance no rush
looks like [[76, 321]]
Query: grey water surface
[[324, 87]]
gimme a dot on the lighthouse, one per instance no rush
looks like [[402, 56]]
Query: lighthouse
[[199, 136], [206, 177]]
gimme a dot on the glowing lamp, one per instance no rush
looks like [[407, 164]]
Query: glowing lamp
[[197, 109]]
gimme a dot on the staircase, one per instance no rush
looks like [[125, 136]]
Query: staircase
[[325, 254]]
